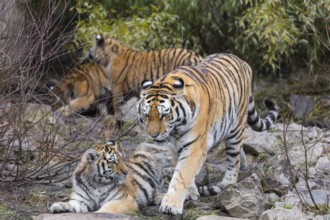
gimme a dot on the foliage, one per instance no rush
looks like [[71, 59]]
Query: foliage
[[271, 35], [269, 28], [278, 32], [153, 31]]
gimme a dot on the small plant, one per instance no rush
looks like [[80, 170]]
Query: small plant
[[6, 213], [285, 206], [262, 156]]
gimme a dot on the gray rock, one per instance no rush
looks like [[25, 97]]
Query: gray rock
[[83, 216], [289, 201], [283, 214], [244, 199], [275, 173], [322, 217], [301, 105], [323, 165], [270, 199], [321, 198], [261, 142], [297, 153], [302, 186], [216, 217]]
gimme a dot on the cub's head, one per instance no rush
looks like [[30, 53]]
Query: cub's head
[[104, 49], [104, 163], [164, 107]]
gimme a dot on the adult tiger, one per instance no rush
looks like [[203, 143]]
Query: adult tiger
[[196, 108], [104, 182], [81, 88], [128, 68]]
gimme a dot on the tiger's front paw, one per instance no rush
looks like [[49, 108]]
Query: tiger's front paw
[[193, 193], [171, 205], [60, 207]]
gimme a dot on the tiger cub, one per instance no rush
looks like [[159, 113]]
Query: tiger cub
[[104, 182], [196, 108], [127, 68], [82, 88]]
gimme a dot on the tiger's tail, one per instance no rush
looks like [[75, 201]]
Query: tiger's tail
[[262, 124], [257, 124]]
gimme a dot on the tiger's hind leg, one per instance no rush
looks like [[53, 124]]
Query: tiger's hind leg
[[121, 206], [76, 105], [234, 154]]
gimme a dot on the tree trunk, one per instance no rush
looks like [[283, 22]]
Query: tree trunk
[[14, 39]]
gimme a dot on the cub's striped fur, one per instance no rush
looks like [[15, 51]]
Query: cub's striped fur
[[127, 68], [82, 88], [103, 182], [197, 108]]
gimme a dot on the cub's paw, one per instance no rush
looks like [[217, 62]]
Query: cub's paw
[[171, 205], [60, 207], [64, 111], [71, 206]]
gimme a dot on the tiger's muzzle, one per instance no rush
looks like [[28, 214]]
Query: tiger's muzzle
[[155, 125]]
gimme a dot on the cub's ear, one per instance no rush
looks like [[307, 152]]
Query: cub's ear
[[91, 155], [178, 83], [146, 84], [99, 40], [111, 142], [117, 144]]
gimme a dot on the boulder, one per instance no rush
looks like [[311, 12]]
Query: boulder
[[244, 199], [83, 216], [256, 143], [283, 214], [323, 165], [216, 217], [297, 153], [321, 198]]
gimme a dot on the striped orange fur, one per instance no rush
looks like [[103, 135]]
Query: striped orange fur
[[196, 108]]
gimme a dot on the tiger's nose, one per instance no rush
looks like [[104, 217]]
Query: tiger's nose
[[154, 135]]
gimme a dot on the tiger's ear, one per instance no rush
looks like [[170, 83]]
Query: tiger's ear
[[111, 142], [99, 40], [91, 155], [178, 83], [146, 84]]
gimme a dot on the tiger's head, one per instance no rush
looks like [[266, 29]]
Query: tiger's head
[[165, 107], [105, 49], [104, 163]]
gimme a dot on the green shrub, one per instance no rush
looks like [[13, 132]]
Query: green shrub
[[285, 32], [156, 29], [271, 35]]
